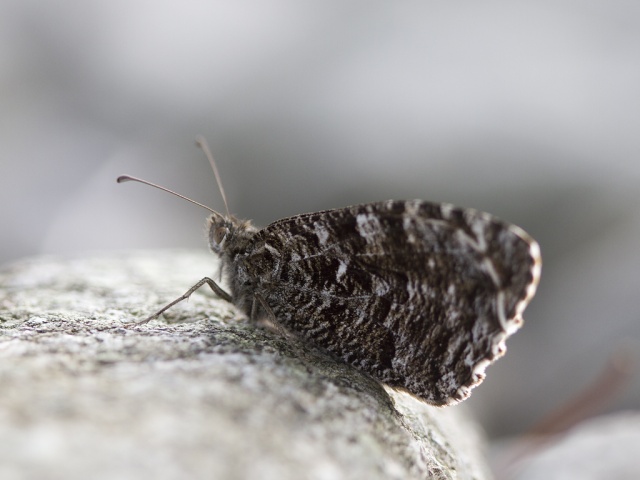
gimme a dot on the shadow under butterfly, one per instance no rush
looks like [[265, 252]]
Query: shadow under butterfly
[[420, 295]]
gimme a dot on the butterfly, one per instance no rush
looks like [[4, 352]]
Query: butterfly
[[419, 295]]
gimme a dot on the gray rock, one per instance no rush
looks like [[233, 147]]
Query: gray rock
[[85, 393], [601, 448]]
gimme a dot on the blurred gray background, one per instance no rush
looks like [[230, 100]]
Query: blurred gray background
[[528, 111]]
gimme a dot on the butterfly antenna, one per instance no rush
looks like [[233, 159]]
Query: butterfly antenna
[[128, 178], [202, 143]]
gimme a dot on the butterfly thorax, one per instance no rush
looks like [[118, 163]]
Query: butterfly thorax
[[229, 238]]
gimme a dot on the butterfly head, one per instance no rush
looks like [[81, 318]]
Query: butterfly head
[[220, 229], [224, 232]]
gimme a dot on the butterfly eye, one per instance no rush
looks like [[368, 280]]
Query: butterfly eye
[[219, 234]]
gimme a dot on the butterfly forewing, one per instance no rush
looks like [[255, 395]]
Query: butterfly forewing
[[420, 295]]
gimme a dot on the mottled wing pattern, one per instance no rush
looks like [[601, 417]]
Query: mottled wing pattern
[[420, 295]]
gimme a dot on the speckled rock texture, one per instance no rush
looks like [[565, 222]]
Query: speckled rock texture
[[86, 393]]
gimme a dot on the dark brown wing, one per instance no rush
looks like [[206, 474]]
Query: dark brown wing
[[420, 295]]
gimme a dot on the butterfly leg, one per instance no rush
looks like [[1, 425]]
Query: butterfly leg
[[263, 303], [271, 321], [206, 280]]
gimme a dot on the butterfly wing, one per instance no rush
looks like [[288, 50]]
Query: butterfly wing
[[420, 295]]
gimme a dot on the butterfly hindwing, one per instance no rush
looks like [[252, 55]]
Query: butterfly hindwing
[[420, 295]]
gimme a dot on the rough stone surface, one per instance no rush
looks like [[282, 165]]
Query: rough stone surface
[[85, 393]]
